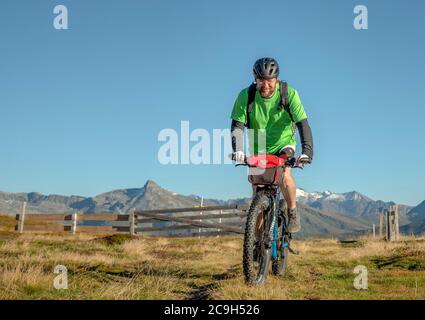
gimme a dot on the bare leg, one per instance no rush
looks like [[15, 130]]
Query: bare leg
[[289, 189]]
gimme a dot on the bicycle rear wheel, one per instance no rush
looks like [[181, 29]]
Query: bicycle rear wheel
[[256, 248]]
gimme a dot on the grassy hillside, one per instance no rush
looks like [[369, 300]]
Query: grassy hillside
[[7, 226], [121, 267]]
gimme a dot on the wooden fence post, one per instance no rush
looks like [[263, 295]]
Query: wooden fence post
[[219, 221], [373, 231], [132, 218], [381, 225], [392, 223], [388, 225], [200, 213], [396, 224], [22, 218], [74, 223]]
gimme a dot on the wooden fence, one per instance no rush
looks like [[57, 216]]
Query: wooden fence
[[392, 227], [389, 225], [142, 222]]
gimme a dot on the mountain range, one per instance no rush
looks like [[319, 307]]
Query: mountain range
[[322, 213]]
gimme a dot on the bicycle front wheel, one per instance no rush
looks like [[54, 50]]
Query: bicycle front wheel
[[256, 248]]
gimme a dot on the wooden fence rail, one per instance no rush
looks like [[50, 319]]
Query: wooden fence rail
[[139, 222], [193, 222]]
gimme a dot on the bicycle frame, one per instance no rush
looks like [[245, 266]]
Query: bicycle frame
[[275, 198]]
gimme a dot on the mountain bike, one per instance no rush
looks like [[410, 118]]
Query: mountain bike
[[266, 237]]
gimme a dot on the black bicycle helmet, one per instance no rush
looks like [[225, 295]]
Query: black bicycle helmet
[[266, 68]]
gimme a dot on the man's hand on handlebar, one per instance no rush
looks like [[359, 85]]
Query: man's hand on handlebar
[[238, 156], [302, 160]]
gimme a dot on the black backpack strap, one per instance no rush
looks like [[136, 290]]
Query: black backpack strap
[[250, 103], [284, 102]]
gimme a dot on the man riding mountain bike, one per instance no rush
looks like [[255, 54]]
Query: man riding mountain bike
[[276, 107]]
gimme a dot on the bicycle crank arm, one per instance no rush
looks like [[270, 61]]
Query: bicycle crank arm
[[293, 251]]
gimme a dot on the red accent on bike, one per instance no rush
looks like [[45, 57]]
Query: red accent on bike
[[284, 156], [267, 161]]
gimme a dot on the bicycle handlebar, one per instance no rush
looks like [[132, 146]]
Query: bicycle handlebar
[[289, 162]]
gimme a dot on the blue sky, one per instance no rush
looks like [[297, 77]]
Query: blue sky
[[81, 109]]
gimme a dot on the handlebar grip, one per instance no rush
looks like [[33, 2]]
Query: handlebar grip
[[290, 161], [232, 157]]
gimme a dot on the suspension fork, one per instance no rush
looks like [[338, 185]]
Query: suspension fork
[[274, 240], [275, 233], [274, 225], [272, 234]]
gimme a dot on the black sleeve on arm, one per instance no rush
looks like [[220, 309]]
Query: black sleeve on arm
[[306, 138], [237, 135]]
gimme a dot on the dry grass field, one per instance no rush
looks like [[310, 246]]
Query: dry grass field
[[121, 267]]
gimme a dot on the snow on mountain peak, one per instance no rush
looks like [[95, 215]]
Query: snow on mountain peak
[[309, 197], [301, 193], [336, 196], [313, 196]]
